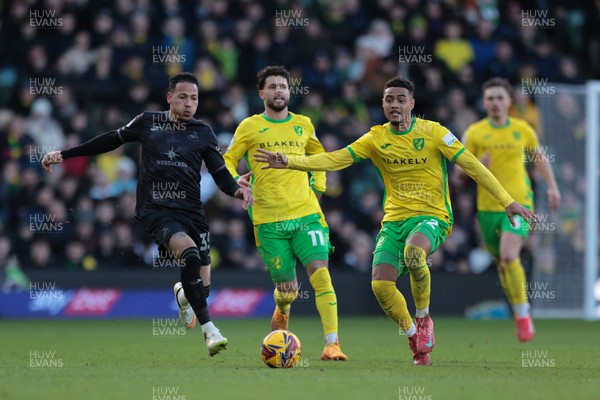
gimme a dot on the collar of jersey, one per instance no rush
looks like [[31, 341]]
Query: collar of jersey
[[499, 126], [277, 121], [412, 125]]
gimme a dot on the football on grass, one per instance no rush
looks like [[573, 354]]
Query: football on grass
[[281, 349]]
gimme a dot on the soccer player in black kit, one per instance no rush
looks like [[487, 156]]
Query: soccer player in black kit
[[174, 145]]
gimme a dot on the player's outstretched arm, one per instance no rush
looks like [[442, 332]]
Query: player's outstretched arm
[[515, 208], [273, 159], [100, 144], [51, 158], [332, 161], [542, 165], [244, 194]]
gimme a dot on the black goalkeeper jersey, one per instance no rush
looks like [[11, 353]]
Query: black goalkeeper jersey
[[172, 155]]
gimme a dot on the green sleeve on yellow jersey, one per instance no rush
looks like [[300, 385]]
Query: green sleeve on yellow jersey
[[336, 160], [480, 174], [318, 179], [236, 150]]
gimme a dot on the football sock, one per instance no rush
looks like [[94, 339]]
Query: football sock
[[512, 279], [326, 300], [184, 303], [208, 327], [284, 299], [191, 282], [415, 259], [422, 313], [410, 332], [392, 302]]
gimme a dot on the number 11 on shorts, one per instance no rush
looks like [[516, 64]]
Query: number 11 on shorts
[[313, 236]]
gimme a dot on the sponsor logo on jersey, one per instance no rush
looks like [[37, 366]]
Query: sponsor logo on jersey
[[404, 161], [449, 139], [418, 143], [172, 154], [283, 143], [298, 130]]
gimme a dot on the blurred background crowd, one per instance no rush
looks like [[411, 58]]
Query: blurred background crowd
[[72, 69]]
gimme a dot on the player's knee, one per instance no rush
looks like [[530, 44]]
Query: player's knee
[[507, 257], [382, 289], [414, 257], [189, 261]]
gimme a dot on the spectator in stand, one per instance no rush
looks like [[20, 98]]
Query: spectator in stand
[[452, 49]]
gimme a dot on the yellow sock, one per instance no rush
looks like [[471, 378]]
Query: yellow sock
[[415, 259], [284, 299], [512, 279], [392, 302], [326, 300]]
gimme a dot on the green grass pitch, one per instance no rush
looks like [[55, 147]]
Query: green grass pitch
[[154, 360]]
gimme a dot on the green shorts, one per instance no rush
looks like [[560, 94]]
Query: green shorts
[[493, 223], [392, 238], [281, 243]]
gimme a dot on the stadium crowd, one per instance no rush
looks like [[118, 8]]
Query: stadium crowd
[[73, 69]]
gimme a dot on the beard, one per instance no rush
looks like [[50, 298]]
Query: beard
[[271, 105]]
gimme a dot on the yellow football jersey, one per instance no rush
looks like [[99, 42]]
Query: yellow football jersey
[[279, 195], [507, 146], [412, 165]]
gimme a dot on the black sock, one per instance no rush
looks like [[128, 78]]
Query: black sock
[[192, 284]]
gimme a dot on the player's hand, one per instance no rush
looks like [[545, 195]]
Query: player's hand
[[515, 208], [244, 180], [275, 160], [554, 197], [244, 194], [485, 160], [53, 157]]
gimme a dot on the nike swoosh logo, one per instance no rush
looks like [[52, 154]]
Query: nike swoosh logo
[[385, 146], [333, 304], [428, 344], [262, 130]]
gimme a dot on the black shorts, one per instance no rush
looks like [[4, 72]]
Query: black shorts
[[163, 224]]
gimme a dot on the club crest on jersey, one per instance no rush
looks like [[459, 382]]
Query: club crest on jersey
[[298, 130], [193, 137], [517, 135], [419, 143]]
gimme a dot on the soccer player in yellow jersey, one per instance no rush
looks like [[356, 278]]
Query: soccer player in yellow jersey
[[410, 154], [288, 221], [503, 144]]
